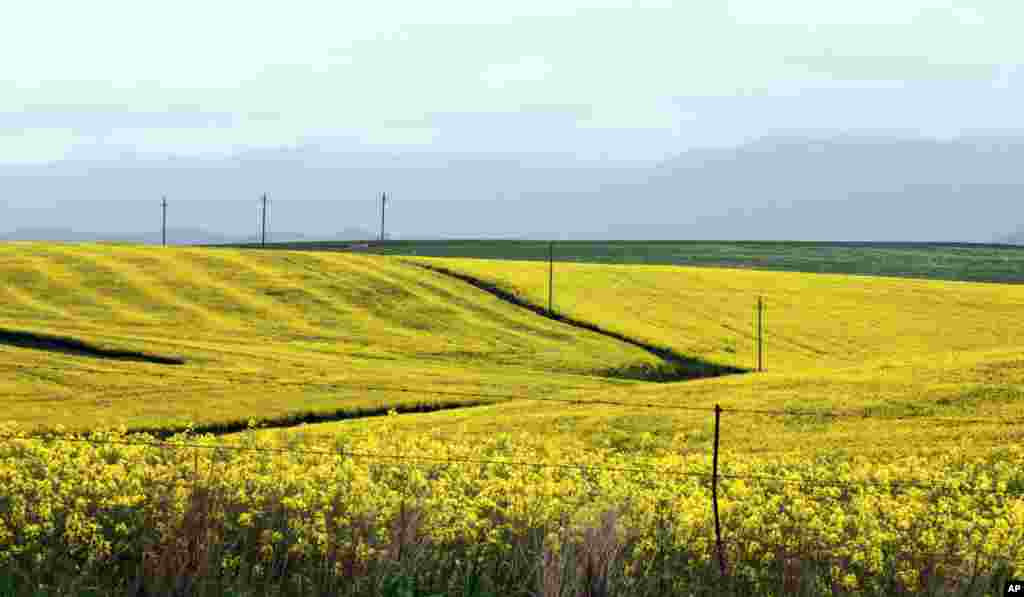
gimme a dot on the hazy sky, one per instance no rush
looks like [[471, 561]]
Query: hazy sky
[[627, 80]]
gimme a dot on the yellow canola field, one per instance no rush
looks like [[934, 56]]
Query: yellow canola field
[[812, 321], [876, 498], [266, 334], [257, 501], [974, 397], [940, 364]]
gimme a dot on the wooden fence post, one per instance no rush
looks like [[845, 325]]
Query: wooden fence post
[[714, 494]]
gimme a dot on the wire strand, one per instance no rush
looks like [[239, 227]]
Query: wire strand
[[400, 458]]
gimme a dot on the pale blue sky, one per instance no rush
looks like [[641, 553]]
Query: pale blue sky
[[629, 80]]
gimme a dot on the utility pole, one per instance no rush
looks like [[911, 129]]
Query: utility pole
[[163, 229], [383, 200], [263, 234], [551, 276], [760, 334]]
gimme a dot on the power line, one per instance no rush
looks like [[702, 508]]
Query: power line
[[760, 334], [163, 228], [383, 200], [551, 277], [263, 233]]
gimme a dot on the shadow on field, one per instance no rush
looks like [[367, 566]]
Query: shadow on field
[[675, 367], [79, 348], [298, 419]]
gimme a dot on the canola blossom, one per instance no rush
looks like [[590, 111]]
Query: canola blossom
[[293, 510]]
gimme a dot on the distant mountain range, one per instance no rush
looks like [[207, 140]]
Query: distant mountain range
[[842, 188]]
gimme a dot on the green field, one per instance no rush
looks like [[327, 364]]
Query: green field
[[943, 261]]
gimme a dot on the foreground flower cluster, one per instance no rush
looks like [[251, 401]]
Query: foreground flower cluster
[[514, 514]]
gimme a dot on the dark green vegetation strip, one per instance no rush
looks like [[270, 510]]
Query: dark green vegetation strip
[[303, 418], [679, 367], [78, 347], [941, 261]]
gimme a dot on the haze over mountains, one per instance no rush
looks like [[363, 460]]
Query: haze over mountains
[[801, 187]]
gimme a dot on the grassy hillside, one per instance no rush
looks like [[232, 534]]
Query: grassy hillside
[[264, 335], [917, 485], [275, 334], [942, 261], [963, 401], [811, 321], [878, 348]]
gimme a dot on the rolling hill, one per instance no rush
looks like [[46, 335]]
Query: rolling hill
[[883, 350], [290, 336], [264, 335], [884, 424]]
